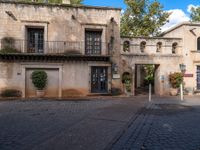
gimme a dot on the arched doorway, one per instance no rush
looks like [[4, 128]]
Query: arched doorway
[[145, 74]]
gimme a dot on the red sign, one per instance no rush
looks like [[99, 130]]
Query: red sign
[[188, 75]]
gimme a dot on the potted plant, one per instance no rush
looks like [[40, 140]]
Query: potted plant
[[175, 80], [126, 80], [39, 80]]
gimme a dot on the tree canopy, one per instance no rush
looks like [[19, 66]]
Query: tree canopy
[[195, 14], [143, 18]]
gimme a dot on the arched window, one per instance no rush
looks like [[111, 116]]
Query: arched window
[[198, 44], [159, 47], [174, 48], [126, 46], [142, 46]]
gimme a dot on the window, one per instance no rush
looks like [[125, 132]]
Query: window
[[174, 48], [35, 42], [126, 46], [198, 44], [93, 42], [159, 47], [142, 46]]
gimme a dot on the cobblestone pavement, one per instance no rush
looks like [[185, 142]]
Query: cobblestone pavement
[[64, 125], [163, 125], [101, 124]]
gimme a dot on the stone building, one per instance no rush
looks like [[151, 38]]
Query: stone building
[[179, 45], [163, 52], [75, 45], [82, 52]]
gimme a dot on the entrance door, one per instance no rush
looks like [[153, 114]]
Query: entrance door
[[35, 41], [99, 80], [198, 77]]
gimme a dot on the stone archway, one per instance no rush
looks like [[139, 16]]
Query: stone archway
[[146, 74]]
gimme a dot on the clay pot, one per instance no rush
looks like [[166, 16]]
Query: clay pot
[[173, 91], [40, 93]]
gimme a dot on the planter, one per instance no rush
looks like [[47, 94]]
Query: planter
[[173, 91], [40, 93]]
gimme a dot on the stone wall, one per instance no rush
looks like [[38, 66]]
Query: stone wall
[[60, 22], [189, 32], [165, 61]]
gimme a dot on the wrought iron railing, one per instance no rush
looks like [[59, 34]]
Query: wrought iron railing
[[51, 47]]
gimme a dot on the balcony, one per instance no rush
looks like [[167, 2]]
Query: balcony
[[61, 49]]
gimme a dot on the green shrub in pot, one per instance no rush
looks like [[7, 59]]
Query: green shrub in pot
[[39, 80]]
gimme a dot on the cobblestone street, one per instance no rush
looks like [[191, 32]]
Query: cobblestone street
[[98, 124], [162, 125], [63, 125]]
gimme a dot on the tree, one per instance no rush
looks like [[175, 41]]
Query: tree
[[195, 14], [143, 18], [76, 1]]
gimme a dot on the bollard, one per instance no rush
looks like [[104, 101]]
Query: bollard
[[149, 92], [181, 92]]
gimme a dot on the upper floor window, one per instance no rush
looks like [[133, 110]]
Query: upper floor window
[[142, 46], [126, 46], [35, 40], [93, 42], [159, 47], [198, 44], [174, 48]]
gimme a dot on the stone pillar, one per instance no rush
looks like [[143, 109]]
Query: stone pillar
[[138, 82], [157, 82], [133, 80]]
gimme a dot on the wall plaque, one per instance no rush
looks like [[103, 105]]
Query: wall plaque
[[116, 76]]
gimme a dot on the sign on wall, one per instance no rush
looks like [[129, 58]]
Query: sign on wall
[[188, 75], [116, 76]]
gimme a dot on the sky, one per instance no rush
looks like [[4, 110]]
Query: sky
[[180, 9]]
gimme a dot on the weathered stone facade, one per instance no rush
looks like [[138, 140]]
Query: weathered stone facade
[[190, 33], [65, 24], [166, 62]]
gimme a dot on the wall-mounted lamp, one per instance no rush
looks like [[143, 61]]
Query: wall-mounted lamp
[[182, 68], [114, 68]]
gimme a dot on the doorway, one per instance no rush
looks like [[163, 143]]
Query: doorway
[[99, 80], [35, 40], [145, 74], [198, 77]]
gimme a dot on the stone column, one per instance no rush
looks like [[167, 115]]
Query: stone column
[[157, 82], [133, 79]]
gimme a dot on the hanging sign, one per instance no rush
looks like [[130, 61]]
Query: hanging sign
[[188, 75]]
